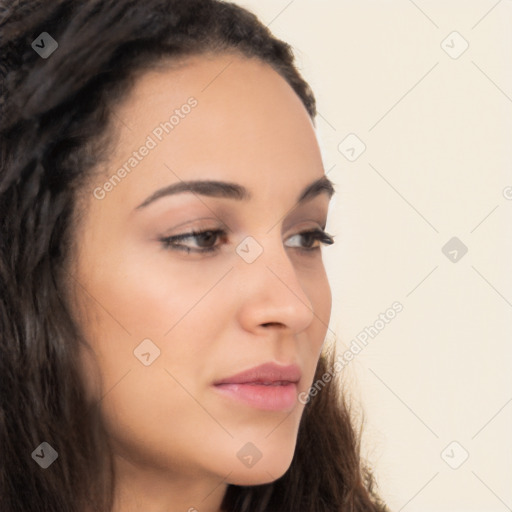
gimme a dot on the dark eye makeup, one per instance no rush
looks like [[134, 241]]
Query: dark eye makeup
[[205, 240]]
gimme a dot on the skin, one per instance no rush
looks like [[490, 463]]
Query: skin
[[175, 438]]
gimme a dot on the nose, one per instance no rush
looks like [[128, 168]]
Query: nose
[[270, 291]]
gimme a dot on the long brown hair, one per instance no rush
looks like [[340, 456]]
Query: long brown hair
[[54, 122]]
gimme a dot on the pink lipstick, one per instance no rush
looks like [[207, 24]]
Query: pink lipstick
[[270, 386]]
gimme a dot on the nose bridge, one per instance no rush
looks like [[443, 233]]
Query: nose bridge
[[271, 290]]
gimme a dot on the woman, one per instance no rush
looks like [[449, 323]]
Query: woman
[[164, 302]]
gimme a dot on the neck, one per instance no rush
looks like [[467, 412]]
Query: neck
[[142, 488]]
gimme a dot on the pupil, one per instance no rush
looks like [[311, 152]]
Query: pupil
[[309, 239], [208, 235]]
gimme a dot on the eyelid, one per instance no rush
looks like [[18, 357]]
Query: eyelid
[[202, 224], [169, 242]]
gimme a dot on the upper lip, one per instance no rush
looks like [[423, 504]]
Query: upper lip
[[265, 373]]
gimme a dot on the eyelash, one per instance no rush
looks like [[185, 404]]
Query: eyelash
[[169, 243]]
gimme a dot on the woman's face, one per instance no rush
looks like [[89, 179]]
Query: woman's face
[[167, 324]]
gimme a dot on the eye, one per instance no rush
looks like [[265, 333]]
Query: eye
[[205, 240], [313, 236]]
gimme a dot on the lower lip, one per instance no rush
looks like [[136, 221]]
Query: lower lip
[[260, 396]]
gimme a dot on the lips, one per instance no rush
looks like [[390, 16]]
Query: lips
[[265, 374], [269, 387]]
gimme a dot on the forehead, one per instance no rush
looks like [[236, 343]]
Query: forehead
[[247, 125]]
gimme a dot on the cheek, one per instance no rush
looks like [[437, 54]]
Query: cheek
[[145, 294], [137, 304], [150, 410], [318, 290], [319, 293]]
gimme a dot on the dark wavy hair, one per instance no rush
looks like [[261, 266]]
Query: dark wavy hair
[[55, 128]]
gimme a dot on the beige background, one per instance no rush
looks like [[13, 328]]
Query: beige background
[[437, 164]]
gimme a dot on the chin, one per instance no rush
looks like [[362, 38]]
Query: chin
[[262, 472]]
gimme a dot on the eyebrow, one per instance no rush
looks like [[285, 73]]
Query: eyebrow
[[235, 191]]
